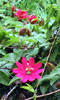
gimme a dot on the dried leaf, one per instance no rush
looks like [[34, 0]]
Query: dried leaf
[[22, 96], [4, 97]]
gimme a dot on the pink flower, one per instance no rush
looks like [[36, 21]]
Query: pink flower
[[22, 14], [33, 19], [28, 70]]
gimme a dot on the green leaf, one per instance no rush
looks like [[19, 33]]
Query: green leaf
[[12, 41], [4, 79], [30, 52], [2, 52], [10, 57], [14, 79], [54, 54], [54, 74], [34, 84], [13, 57], [44, 88], [6, 72], [53, 80], [58, 11], [28, 87], [51, 22]]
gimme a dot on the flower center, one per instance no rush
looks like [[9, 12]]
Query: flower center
[[29, 69], [28, 72]]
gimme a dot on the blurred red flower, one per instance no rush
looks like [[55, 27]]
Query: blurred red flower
[[22, 14], [13, 8], [33, 19]]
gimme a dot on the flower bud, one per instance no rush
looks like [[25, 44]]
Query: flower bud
[[58, 85], [13, 8], [41, 23], [33, 19], [29, 32], [50, 65], [22, 31]]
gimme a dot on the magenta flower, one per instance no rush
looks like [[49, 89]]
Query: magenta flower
[[28, 70], [22, 14]]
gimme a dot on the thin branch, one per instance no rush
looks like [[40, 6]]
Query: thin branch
[[23, 47], [6, 68], [44, 95], [5, 97], [11, 90], [4, 64], [50, 50], [49, 54]]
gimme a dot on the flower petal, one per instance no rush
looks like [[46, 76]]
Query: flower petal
[[25, 78], [31, 61], [18, 12], [24, 60], [39, 71], [15, 70], [34, 75], [31, 78], [38, 77], [20, 75], [38, 65], [20, 66]]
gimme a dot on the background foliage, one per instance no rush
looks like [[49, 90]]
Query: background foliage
[[13, 46]]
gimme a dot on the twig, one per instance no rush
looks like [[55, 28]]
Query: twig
[[40, 96], [4, 64], [6, 68], [23, 47], [11, 90], [5, 97], [50, 51], [48, 55]]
